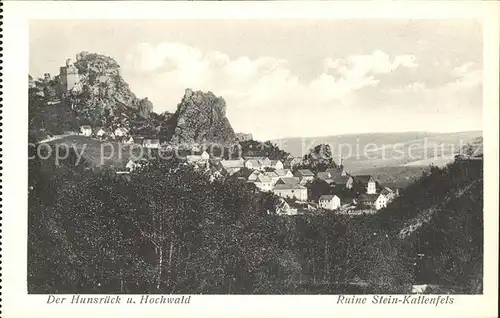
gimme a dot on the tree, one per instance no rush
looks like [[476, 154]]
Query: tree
[[319, 159], [317, 188]]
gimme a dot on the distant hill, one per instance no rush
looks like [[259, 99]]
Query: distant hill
[[399, 176], [385, 149]]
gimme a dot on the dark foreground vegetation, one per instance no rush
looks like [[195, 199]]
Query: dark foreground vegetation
[[171, 229]]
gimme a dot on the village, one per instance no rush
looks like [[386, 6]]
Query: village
[[346, 193], [352, 194]]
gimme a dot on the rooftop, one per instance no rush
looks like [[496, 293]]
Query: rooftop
[[289, 180], [327, 197], [288, 187], [305, 172], [369, 197], [362, 178]]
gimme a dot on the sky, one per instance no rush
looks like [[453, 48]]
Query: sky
[[291, 78]]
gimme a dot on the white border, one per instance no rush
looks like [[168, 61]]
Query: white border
[[16, 303]]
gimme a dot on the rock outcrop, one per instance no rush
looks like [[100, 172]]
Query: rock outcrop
[[103, 92], [200, 117]]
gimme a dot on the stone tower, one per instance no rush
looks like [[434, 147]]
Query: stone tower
[[68, 77]]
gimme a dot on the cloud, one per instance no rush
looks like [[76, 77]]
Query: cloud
[[358, 66], [468, 74], [267, 97]]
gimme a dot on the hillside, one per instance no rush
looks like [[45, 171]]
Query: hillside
[[101, 232], [89, 92], [113, 154], [439, 219], [398, 176]]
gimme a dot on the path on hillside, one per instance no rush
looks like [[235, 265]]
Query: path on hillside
[[426, 215], [56, 137]]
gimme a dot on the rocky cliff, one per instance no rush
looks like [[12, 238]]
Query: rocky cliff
[[200, 117], [101, 92]]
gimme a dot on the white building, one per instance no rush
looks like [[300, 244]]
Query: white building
[[276, 164], [86, 130], [199, 160], [389, 193], [132, 165], [151, 143], [121, 132], [264, 183], [292, 191], [305, 175], [273, 175], [329, 202], [253, 164], [100, 133], [130, 140], [367, 181], [253, 176], [376, 201], [284, 173], [232, 166]]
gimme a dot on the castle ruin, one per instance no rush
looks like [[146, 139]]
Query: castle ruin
[[69, 80]]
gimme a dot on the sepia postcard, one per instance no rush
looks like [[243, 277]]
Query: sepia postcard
[[226, 159]]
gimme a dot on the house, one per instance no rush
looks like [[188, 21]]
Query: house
[[253, 164], [376, 201], [276, 164], [204, 156], [151, 143], [105, 134], [202, 159], [288, 180], [244, 137], [133, 164], [265, 162], [253, 158], [130, 140], [263, 183], [389, 193], [138, 139], [290, 162], [325, 176], [86, 130], [253, 176], [232, 166], [292, 191], [273, 175], [215, 175], [329, 202], [130, 165], [367, 181], [121, 132], [304, 175], [100, 133], [335, 176], [284, 173]]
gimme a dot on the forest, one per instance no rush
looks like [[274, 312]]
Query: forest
[[170, 229]]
